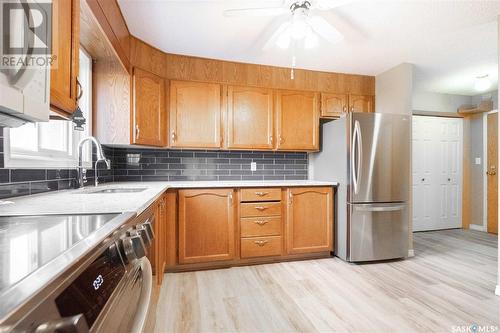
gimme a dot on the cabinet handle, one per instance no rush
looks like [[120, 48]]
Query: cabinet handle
[[230, 196], [79, 90], [173, 136], [261, 194], [271, 139], [282, 140], [261, 223], [261, 242], [344, 108], [137, 131], [261, 208], [352, 108], [290, 198]]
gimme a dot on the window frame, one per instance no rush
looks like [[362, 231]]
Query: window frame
[[47, 158]]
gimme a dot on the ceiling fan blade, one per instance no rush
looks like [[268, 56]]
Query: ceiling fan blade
[[263, 11], [330, 4], [325, 29], [271, 42]]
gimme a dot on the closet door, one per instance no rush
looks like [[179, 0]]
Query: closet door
[[437, 173], [450, 172]]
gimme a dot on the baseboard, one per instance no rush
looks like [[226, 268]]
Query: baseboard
[[477, 227], [497, 290], [411, 253]]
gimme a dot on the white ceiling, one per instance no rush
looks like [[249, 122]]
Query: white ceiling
[[450, 42]]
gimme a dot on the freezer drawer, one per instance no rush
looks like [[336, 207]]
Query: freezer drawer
[[378, 231]]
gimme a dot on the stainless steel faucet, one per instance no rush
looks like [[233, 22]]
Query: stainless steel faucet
[[100, 158]]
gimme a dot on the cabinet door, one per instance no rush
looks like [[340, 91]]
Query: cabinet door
[[361, 103], [249, 118], [149, 114], [66, 47], [297, 120], [195, 115], [160, 239], [333, 105], [309, 220], [206, 225]]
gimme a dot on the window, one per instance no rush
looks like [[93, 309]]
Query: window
[[53, 144]]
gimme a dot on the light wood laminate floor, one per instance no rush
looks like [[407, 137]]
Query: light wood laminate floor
[[450, 282]]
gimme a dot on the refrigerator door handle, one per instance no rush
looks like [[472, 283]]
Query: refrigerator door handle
[[359, 143], [356, 155], [371, 208]]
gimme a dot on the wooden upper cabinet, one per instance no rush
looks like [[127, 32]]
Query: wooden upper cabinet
[[206, 225], [149, 116], [66, 47], [309, 220], [361, 103], [250, 116], [195, 115], [297, 114], [334, 105]]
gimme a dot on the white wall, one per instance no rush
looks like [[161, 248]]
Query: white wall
[[435, 102], [393, 94], [394, 90], [497, 290]]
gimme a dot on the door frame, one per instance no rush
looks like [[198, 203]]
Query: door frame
[[484, 227]]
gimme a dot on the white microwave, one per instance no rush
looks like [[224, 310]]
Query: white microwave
[[24, 90]]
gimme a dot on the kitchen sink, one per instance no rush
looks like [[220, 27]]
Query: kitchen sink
[[115, 190]]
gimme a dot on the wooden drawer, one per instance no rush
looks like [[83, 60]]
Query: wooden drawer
[[260, 226], [261, 247], [261, 194], [260, 209]]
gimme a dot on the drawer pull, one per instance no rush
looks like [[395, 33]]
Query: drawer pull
[[261, 208], [261, 242], [261, 223], [261, 194]]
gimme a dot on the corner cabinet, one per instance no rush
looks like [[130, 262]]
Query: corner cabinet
[[195, 115], [206, 225], [250, 114], [66, 49], [297, 114], [309, 226], [149, 115]]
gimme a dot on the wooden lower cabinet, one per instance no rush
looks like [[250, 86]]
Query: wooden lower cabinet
[[213, 228], [309, 225], [206, 225], [157, 251]]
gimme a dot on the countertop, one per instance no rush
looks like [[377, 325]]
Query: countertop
[[83, 201]]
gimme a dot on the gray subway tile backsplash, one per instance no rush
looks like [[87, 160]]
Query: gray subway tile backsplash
[[206, 165]]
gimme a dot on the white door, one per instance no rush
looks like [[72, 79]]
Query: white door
[[437, 173]]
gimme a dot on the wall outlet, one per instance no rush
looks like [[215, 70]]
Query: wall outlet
[[253, 166], [478, 160]]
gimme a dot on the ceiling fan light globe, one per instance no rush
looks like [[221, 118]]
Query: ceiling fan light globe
[[311, 41], [283, 41]]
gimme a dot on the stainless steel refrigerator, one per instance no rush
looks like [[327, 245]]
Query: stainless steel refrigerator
[[369, 155]]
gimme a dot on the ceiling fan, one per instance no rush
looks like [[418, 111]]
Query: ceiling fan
[[303, 28]]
